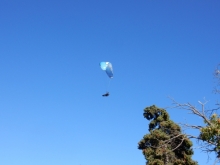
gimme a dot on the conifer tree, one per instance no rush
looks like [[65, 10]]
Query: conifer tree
[[165, 144]]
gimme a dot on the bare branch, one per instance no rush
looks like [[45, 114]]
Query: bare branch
[[170, 140], [192, 126], [179, 144], [197, 137], [216, 161], [193, 109]]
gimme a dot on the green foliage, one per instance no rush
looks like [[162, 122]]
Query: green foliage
[[165, 145], [211, 132]]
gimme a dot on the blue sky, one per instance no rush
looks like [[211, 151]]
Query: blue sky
[[51, 108]]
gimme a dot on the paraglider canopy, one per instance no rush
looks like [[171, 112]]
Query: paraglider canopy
[[107, 67]]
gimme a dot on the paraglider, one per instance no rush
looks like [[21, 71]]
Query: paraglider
[[107, 67], [106, 94]]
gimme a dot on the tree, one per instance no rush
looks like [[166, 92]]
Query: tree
[[209, 133], [165, 144]]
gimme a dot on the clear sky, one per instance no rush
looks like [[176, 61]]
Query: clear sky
[[51, 108]]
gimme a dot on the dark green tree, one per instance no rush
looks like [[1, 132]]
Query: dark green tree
[[165, 144]]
